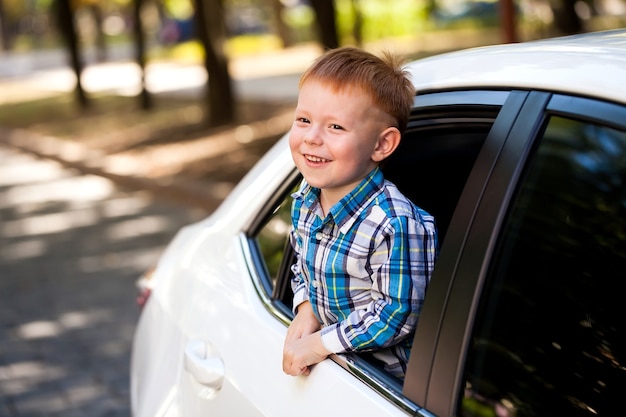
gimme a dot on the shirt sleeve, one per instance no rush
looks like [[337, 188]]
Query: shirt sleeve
[[402, 264]]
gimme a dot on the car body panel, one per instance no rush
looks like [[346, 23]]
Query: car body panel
[[539, 65]]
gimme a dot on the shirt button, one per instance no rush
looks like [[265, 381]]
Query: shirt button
[[319, 235], [314, 284]]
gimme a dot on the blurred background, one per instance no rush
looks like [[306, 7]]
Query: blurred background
[[180, 68], [123, 120], [123, 78], [216, 35]]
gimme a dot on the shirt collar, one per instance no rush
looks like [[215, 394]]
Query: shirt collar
[[345, 212]]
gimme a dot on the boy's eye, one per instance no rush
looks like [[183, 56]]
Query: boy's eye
[[336, 127], [302, 120]]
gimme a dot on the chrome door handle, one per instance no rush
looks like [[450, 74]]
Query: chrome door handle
[[204, 363]]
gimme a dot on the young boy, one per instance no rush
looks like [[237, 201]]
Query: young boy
[[364, 252]]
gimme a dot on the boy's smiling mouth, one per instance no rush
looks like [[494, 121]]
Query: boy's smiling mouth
[[315, 159]]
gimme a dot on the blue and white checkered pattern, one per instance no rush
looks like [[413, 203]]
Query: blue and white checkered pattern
[[364, 267]]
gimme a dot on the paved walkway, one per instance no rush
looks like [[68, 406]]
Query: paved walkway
[[268, 78], [272, 76], [71, 248]]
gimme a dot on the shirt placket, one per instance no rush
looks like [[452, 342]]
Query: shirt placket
[[321, 241]]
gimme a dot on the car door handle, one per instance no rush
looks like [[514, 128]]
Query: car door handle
[[204, 363]]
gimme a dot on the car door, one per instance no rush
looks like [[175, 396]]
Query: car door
[[530, 320]]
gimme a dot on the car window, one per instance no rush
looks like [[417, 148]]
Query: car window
[[549, 334], [272, 237]]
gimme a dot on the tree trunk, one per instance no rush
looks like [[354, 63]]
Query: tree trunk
[[284, 32], [140, 53], [357, 28], [101, 48], [326, 22], [508, 21], [566, 20], [67, 26], [209, 18], [5, 33]]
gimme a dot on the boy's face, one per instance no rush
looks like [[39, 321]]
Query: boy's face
[[334, 137]]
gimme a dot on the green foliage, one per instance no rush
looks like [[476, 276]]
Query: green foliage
[[382, 18], [299, 17], [473, 407], [247, 44], [179, 9]]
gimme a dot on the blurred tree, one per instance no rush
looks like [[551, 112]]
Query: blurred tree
[[211, 30], [140, 53], [508, 22], [4, 28], [10, 14], [357, 27], [326, 22], [566, 20], [67, 27], [284, 32], [95, 9]]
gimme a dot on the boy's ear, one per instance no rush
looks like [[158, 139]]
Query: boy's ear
[[388, 141]]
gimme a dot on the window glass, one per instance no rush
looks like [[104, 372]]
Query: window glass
[[549, 338], [273, 237]]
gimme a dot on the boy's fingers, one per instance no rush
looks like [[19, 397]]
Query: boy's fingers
[[295, 370], [292, 366]]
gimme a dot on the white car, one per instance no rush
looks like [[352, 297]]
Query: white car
[[519, 151]]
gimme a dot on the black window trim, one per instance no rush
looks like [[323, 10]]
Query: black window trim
[[483, 208], [418, 378], [590, 110]]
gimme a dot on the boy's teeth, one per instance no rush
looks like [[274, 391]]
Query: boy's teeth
[[315, 159]]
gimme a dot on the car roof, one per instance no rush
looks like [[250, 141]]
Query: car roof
[[590, 64]]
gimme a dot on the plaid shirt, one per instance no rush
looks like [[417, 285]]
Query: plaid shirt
[[364, 267]]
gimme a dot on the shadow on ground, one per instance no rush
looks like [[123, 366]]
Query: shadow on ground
[[71, 250]]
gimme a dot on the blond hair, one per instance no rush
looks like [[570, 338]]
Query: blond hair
[[383, 79]]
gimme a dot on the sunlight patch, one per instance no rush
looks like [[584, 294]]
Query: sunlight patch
[[39, 330], [29, 172], [127, 206], [30, 369], [23, 250], [76, 320], [49, 223], [84, 188], [137, 227]]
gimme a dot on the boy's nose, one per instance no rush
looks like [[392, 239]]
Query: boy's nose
[[313, 137]]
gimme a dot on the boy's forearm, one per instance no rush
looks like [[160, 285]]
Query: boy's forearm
[[380, 325]]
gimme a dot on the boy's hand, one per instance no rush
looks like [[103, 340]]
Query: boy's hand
[[303, 344], [300, 354]]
